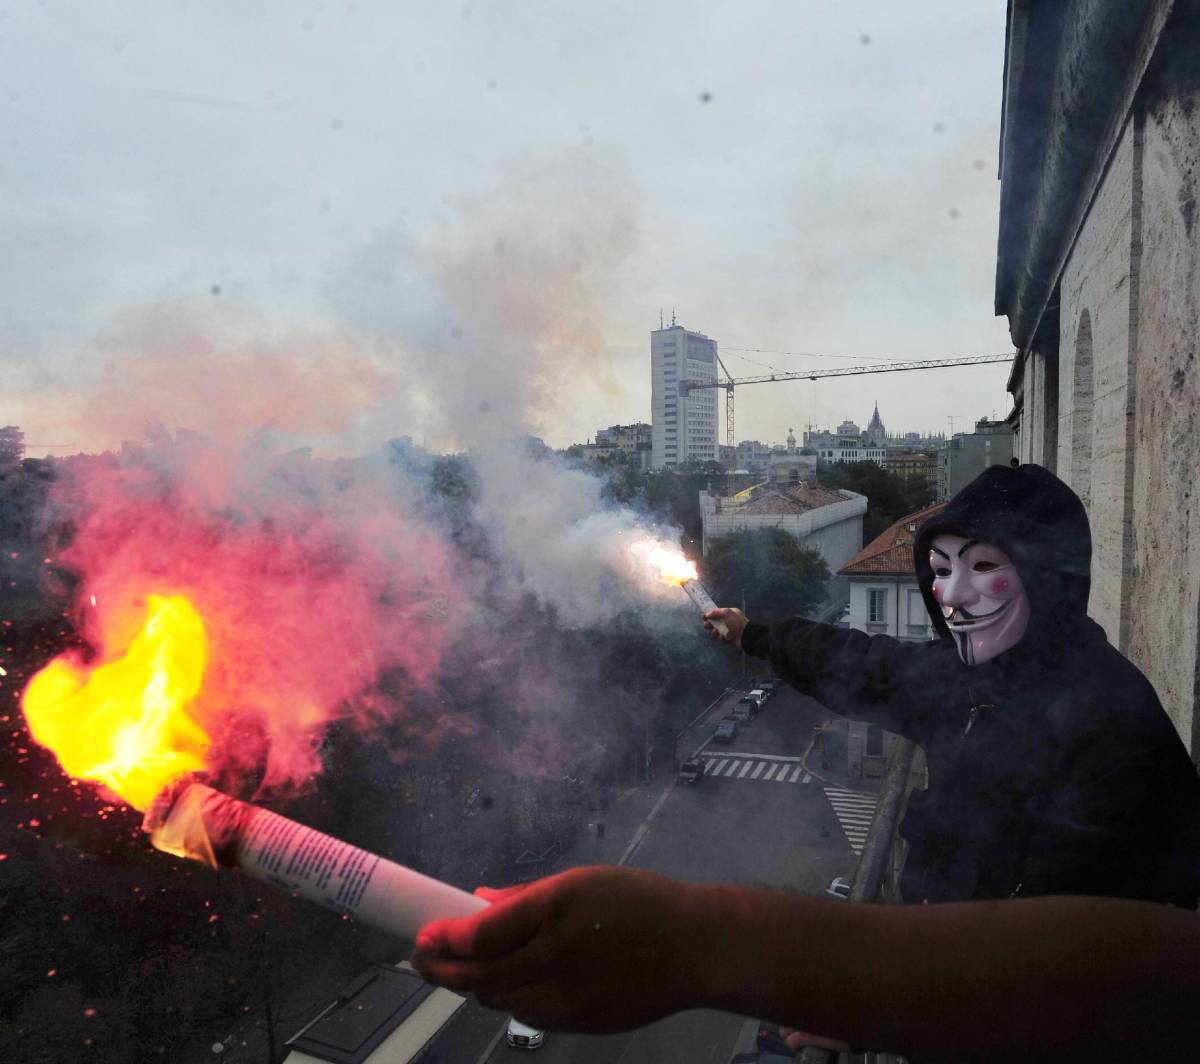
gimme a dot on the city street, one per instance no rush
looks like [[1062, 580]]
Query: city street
[[751, 819]]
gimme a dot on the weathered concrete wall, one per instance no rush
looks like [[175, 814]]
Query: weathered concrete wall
[[1095, 293], [1166, 529], [834, 531]]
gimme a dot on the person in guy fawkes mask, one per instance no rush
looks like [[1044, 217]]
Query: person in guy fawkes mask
[[1053, 768]]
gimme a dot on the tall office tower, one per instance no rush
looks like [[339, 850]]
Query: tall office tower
[[683, 426]]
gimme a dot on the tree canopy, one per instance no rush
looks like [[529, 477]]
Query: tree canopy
[[12, 445], [776, 574], [889, 496]]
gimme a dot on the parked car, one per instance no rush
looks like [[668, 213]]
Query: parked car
[[521, 1037], [768, 686], [691, 770], [758, 695], [727, 730], [839, 888], [744, 712]]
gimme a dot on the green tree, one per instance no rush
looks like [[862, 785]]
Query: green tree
[[674, 495], [12, 445], [624, 484], [916, 492], [889, 497], [777, 576]]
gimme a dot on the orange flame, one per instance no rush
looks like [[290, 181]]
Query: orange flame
[[124, 723], [670, 564]]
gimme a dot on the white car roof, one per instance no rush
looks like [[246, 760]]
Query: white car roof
[[516, 1027]]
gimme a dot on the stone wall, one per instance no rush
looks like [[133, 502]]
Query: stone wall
[[1134, 280], [1128, 301], [1166, 530], [1094, 371]]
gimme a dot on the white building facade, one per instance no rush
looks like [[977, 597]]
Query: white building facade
[[683, 425], [855, 453], [885, 598], [888, 605]]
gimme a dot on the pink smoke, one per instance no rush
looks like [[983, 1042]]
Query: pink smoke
[[314, 581]]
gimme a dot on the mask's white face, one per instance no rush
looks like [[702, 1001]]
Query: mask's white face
[[981, 596]]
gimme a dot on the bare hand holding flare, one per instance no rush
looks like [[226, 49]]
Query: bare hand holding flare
[[591, 949], [735, 620]]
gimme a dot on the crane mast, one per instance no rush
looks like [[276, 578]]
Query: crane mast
[[727, 384]]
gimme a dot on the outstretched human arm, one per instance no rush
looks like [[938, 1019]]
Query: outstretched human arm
[[608, 949], [872, 678]]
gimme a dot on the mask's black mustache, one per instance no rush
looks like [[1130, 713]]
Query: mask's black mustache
[[960, 615]]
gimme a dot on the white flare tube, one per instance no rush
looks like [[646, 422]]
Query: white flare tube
[[199, 822], [700, 596]]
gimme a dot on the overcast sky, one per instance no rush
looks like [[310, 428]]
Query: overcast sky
[[349, 221]]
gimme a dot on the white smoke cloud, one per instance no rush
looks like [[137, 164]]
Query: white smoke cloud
[[564, 543], [502, 322]]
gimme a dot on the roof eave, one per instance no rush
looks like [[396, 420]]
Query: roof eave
[[1069, 83]]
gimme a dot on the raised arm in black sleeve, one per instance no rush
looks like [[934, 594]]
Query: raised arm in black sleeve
[[901, 686]]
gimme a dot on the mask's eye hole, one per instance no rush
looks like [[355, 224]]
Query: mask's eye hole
[[985, 567], [941, 571]]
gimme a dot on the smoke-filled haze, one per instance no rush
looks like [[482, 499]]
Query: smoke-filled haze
[[458, 222], [263, 242]]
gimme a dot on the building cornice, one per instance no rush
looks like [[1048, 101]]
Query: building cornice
[[1072, 72]]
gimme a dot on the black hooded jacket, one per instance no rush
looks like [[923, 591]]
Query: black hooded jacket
[[1053, 768]]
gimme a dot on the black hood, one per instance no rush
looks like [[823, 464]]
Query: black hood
[[1041, 525]]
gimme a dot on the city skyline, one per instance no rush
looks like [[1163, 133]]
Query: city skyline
[[462, 223]]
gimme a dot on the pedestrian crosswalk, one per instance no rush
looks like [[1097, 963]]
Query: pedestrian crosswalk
[[762, 767], [855, 811]]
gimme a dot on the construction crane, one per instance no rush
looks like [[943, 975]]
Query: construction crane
[[727, 384], [730, 382]]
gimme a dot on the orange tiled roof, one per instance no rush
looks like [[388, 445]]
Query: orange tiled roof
[[891, 552]]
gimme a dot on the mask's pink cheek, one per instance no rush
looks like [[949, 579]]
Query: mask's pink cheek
[[1000, 585], [937, 592]]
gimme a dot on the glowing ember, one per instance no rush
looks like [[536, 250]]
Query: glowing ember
[[670, 564], [124, 722]]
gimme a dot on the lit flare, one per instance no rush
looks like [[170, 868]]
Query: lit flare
[[124, 722], [674, 567], [670, 564]]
